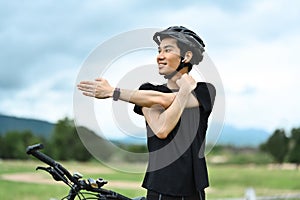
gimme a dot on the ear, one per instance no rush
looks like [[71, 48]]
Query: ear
[[188, 57]]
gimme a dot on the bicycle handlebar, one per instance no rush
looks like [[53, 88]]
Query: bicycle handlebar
[[34, 150], [60, 173]]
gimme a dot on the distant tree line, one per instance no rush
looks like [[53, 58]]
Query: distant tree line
[[283, 148], [64, 143]]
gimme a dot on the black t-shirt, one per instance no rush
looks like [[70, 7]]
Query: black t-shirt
[[177, 164]]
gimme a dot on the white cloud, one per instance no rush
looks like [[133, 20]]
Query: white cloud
[[270, 69], [47, 99]]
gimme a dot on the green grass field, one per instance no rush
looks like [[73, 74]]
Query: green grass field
[[19, 180]]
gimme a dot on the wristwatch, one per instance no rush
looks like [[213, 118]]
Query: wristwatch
[[116, 94]]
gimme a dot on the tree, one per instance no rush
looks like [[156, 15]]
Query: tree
[[101, 148], [294, 154], [65, 143], [14, 143], [277, 145]]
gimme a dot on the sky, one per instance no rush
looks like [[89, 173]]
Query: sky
[[254, 46]]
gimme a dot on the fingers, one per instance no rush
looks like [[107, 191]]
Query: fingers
[[187, 78], [186, 82], [99, 88], [87, 90], [89, 94], [91, 83], [87, 86], [99, 79]]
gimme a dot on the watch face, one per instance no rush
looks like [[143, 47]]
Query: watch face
[[116, 94]]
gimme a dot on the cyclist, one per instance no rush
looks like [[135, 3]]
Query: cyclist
[[176, 115]]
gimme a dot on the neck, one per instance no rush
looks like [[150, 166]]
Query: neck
[[172, 84], [172, 81]]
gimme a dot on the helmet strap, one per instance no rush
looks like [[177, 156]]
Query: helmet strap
[[169, 76], [180, 67]]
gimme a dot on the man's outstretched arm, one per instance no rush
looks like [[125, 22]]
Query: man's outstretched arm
[[101, 89]]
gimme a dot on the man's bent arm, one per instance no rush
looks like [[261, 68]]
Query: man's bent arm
[[162, 121]]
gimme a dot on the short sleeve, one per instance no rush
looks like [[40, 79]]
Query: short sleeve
[[146, 86], [205, 94]]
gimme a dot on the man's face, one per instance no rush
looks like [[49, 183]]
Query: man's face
[[168, 57]]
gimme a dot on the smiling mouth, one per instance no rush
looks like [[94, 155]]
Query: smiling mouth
[[161, 65]]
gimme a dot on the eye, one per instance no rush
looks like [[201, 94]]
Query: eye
[[168, 50]]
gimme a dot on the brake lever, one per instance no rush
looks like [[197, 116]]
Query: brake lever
[[43, 168], [101, 182], [55, 175]]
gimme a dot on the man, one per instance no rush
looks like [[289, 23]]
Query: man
[[176, 115]]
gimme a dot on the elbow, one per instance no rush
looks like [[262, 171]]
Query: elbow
[[157, 103], [162, 103], [161, 134], [165, 102]]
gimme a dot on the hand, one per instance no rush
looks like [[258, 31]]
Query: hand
[[100, 88], [187, 83]]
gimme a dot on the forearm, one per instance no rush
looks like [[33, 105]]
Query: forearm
[[174, 112], [162, 122], [147, 98]]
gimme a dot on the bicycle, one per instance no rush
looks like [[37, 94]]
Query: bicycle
[[80, 188]]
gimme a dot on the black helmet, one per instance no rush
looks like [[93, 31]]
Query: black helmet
[[190, 40]]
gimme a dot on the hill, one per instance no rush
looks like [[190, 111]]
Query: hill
[[38, 127], [251, 137], [230, 135]]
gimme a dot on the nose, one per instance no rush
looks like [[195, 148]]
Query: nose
[[160, 56]]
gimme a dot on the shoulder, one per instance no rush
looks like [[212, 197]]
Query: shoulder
[[146, 86], [205, 93], [150, 86], [205, 86]]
